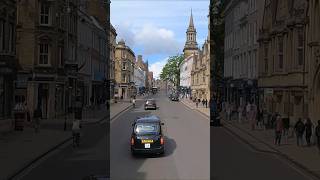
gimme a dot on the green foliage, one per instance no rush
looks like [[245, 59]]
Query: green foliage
[[171, 71]]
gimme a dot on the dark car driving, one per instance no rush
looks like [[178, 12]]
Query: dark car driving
[[147, 136], [150, 104]]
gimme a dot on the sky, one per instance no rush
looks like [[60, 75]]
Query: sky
[[156, 29]]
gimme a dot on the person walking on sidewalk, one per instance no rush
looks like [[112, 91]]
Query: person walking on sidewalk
[[203, 102], [278, 130], [308, 126], [240, 110], [248, 108], [252, 116], [317, 132], [197, 103], [76, 127], [228, 109], [299, 129], [37, 115], [206, 103]]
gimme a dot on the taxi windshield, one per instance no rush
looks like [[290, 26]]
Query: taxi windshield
[[146, 128]]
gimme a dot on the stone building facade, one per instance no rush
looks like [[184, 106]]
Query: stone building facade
[[200, 69], [241, 50], [313, 59], [8, 61], [47, 74], [139, 76], [124, 70], [282, 64], [185, 72], [112, 46]]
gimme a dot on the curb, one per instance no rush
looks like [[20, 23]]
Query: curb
[[15, 174], [11, 177], [194, 108], [277, 152]]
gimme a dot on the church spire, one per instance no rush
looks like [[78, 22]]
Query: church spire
[[191, 38], [191, 20]]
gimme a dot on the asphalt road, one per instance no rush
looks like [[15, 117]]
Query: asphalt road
[[231, 159], [68, 163], [187, 145]]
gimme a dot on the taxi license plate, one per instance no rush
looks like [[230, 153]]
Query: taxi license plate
[[146, 145], [144, 141]]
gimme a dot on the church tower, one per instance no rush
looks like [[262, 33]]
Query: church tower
[[191, 45]]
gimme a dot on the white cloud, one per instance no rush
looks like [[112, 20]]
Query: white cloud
[[150, 38], [124, 31], [155, 40], [157, 67]]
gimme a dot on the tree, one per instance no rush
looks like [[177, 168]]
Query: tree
[[171, 70]]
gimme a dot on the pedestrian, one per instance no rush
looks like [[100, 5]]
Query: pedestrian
[[253, 114], [317, 132], [278, 130], [240, 109], [228, 109], [260, 118], [203, 102], [37, 115], [206, 103], [299, 129], [197, 103], [78, 108], [308, 127], [248, 108]]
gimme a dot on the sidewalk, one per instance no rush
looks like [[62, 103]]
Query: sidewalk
[[20, 148], [307, 158], [192, 105]]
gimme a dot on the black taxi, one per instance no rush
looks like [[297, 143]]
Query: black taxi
[[147, 136]]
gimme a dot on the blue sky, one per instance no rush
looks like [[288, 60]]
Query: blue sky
[[156, 29]]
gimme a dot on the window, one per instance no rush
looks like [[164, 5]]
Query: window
[[45, 14], [300, 47], [2, 35], [44, 54], [266, 58], [124, 66], [146, 128], [123, 78], [11, 38], [280, 52], [204, 77]]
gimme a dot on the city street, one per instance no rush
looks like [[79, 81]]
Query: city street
[[187, 153], [232, 159], [75, 163]]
